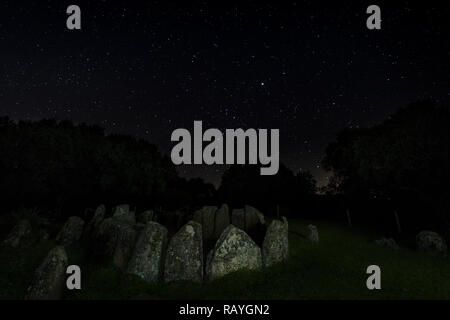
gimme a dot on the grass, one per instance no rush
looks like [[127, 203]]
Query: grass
[[335, 268]]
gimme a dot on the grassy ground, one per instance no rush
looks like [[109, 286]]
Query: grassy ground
[[333, 269]]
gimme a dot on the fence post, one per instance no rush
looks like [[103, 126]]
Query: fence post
[[349, 219], [397, 220]]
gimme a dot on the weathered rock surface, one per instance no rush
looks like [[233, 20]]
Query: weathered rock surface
[[234, 250], [238, 218], [98, 217], [122, 212], [431, 242], [275, 246], [222, 220], [253, 218], [21, 230], [312, 233], [206, 217], [126, 239], [184, 258], [147, 259], [49, 279], [146, 216], [71, 231], [387, 243], [110, 233]]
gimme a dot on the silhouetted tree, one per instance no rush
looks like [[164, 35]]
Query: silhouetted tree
[[60, 165], [405, 158]]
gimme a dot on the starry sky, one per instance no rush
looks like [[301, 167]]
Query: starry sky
[[308, 68]]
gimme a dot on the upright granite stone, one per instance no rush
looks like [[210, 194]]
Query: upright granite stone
[[49, 279], [431, 242], [238, 218], [20, 231], [184, 258], [198, 216], [110, 233], [122, 212], [222, 220], [253, 218], [234, 250], [312, 233], [126, 239], [206, 216], [147, 260], [209, 213], [146, 216], [275, 246], [98, 217], [71, 231]]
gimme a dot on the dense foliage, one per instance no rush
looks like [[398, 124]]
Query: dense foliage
[[59, 164], [404, 159]]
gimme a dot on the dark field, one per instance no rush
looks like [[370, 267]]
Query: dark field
[[333, 269]]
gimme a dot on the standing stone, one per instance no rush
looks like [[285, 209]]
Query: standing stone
[[71, 231], [146, 216], [234, 250], [222, 220], [184, 258], [122, 212], [275, 246], [208, 221], [206, 217], [109, 234], [253, 218], [431, 242], [139, 226], [98, 217], [49, 279], [198, 216], [21, 230], [312, 234], [126, 238], [106, 237], [238, 218], [148, 256]]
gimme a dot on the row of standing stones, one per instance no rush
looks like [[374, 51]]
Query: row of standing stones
[[143, 248]]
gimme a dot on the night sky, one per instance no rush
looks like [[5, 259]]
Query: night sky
[[307, 68]]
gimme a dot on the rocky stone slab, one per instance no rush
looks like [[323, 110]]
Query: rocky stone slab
[[275, 246], [238, 218], [431, 242], [206, 217], [71, 231], [126, 239], [253, 218], [147, 260], [221, 221], [122, 212], [20, 231], [97, 218], [146, 216], [49, 279], [312, 234], [234, 251], [184, 258]]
